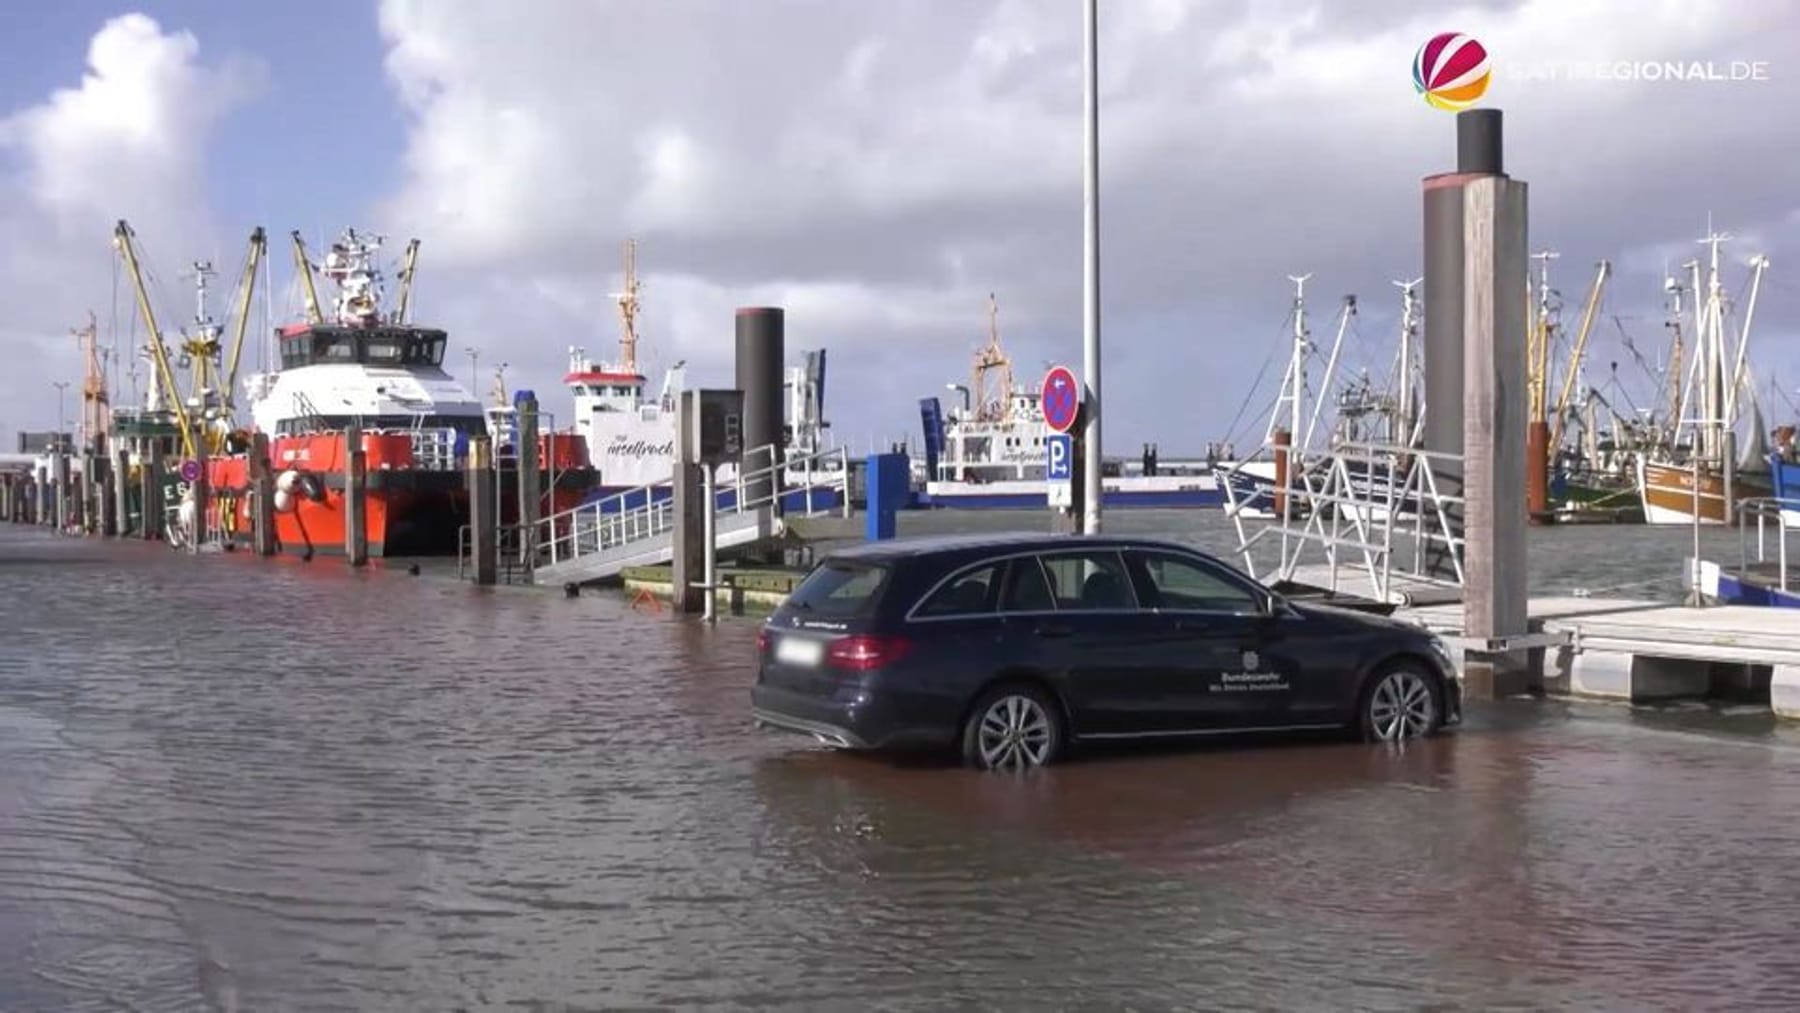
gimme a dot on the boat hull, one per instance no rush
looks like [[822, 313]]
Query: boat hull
[[1668, 495], [1786, 476], [1735, 587]]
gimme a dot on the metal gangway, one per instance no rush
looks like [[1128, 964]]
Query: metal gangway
[[598, 540], [1378, 520]]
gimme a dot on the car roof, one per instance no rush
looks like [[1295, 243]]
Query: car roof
[[1015, 541]]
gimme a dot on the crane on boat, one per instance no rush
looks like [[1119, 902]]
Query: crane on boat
[[204, 417]]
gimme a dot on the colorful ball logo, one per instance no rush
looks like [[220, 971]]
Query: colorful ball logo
[[1451, 71]]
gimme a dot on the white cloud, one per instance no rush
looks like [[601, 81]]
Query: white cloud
[[881, 167], [129, 140]]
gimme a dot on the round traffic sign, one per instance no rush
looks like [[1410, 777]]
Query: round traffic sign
[[1061, 399], [190, 470]]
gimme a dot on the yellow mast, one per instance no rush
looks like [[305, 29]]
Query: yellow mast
[[303, 268], [628, 310], [406, 282], [1587, 325], [165, 376], [1539, 339], [95, 400], [252, 261], [988, 359]]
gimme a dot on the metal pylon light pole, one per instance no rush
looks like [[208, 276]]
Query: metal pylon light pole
[[1090, 288]]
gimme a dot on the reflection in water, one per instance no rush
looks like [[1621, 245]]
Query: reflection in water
[[279, 785]]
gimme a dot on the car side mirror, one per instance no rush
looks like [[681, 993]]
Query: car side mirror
[[1272, 606]]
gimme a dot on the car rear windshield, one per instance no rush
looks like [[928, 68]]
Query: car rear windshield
[[840, 589]]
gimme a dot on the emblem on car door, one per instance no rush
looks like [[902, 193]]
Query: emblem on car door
[[1251, 661]]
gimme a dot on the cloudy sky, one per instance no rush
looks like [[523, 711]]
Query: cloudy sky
[[878, 169]]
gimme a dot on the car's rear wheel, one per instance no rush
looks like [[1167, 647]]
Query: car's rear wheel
[[1012, 727], [1401, 703]]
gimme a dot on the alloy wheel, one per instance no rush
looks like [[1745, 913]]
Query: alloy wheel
[[1014, 734], [1402, 707]]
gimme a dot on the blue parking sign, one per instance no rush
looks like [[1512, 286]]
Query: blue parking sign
[[1059, 457]]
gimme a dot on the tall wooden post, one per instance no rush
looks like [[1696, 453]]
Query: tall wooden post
[[483, 522], [689, 561], [1537, 472], [262, 497], [121, 476], [530, 484], [202, 488], [1494, 588], [153, 509], [356, 504]]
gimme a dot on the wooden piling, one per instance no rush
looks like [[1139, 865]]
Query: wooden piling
[[59, 516], [1537, 472], [1494, 585], [120, 472], [153, 514], [108, 497], [262, 497], [356, 504], [202, 492], [484, 528], [689, 558], [530, 483]]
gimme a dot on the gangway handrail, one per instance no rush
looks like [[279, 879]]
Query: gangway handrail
[[1760, 510], [1397, 489], [646, 511]]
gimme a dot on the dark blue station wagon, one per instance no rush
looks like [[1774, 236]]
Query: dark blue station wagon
[[1008, 648]]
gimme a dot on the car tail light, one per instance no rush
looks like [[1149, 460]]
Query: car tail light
[[762, 640], [862, 652]]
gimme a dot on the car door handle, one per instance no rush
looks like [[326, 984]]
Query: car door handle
[[1053, 630]]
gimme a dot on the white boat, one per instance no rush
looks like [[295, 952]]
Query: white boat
[[989, 453], [630, 434]]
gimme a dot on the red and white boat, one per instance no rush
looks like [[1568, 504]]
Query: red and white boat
[[360, 365]]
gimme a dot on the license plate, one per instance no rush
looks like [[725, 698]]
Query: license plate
[[792, 650]]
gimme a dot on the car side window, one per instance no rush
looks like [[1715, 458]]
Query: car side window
[[968, 593], [1027, 589], [1182, 584], [1089, 581]]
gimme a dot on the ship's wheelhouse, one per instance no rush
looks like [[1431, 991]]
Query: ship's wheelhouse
[[390, 347]]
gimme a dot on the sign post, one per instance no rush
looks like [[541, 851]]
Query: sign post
[[1060, 402]]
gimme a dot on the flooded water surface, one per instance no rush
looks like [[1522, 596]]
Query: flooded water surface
[[228, 783]]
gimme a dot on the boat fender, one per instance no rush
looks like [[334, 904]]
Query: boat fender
[[286, 481], [284, 501], [312, 487]]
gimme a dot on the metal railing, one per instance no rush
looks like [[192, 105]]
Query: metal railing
[[1759, 512], [635, 515], [510, 562], [1385, 506], [434, 449]]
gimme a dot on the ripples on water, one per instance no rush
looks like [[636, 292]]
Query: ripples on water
[[234, 784]]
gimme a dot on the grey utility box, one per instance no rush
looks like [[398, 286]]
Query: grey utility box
[[715, 426]]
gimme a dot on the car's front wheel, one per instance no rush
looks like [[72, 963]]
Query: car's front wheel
[[1401, 703], [1012, 727]]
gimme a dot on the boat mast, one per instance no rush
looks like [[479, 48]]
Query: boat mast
[[165, 376], [991, 358], [303, 267], [1538, 344], [1576, 353], [1675, 288], [1293, 384], [246, 298], [1713, 339], [407, 267], [94, 397], [628, 311], [1406, 417]]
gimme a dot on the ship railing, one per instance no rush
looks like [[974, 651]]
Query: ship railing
[[806, 485], [434, 449], [1390, 512], [1760, 513]]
